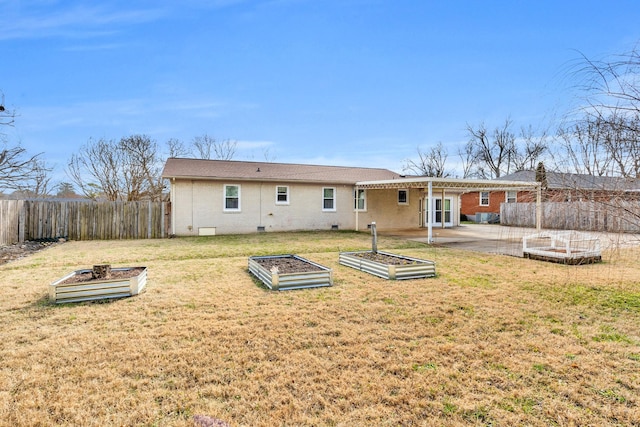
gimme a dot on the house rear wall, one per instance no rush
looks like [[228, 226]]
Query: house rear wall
[[198, 204]]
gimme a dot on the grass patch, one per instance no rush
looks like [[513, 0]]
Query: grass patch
[[492, 340]]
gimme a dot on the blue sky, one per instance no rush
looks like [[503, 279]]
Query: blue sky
[[341, 82]]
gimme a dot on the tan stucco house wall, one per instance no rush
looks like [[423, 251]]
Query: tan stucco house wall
[[198, 207]]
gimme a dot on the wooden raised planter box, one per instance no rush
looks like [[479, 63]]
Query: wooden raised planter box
[[285, 272], [79, 286], [388, 266]]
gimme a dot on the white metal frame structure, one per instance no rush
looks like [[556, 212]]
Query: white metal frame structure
[[432, 184]]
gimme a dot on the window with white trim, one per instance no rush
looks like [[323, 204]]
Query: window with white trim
[[360, 202], [484, 198], [403, 197], [231, 198], [282, 195], [328, 199], [512, 196]]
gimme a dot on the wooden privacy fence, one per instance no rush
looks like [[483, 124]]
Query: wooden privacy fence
[[613, 216], [22, 220], [9, 221]]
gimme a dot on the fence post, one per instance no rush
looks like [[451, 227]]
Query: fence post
[[21, 220]]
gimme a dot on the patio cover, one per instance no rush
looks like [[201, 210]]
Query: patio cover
[[444, 184]]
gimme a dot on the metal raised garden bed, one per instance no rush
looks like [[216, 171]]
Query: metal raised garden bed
[[388, 266], [65, 290], [567, 247], [286, 272]]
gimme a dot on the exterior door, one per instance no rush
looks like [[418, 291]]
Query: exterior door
[[441, 212]]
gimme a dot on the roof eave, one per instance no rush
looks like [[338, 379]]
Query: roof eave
[[421, 182], [255, 179]]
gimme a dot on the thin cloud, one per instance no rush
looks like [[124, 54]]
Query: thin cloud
[[79, 21]]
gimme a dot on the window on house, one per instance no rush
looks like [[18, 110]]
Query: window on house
[[512, 196], [328, 199], [360, 200], [403, 197], [232, 198], [282, 195], [484, 198]]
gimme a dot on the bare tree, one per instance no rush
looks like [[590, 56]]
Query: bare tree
[[430, 163], [467, 159], [610, 85], [268, 156], [203, 146], [142, 168], [39, 184], [604, 139], [207, 147], [225, 150], [176, 148], [18, 169], [584, 147], [527, 154], [492, 154], [623, 144], [128, 169], [493, 150]]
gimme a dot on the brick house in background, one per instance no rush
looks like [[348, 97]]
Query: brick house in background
[[484, 206]]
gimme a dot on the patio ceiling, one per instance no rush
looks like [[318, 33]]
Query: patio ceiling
[[448, 183]]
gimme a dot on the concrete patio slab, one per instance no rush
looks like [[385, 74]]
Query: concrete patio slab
[[498, 239]]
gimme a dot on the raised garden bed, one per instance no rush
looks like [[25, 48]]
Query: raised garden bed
[[565, 247], [388, 266], [81, 285], [285, 272]]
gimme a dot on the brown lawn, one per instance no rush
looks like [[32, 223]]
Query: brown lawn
[[492, 340]]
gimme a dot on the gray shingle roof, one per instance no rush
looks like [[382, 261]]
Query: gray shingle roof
[[559, 180], [266, 171]]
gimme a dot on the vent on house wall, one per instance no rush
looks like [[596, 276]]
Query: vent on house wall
[[206, 231], [261, 228], [334, 227]]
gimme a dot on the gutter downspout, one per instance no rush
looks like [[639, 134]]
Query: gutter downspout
[[443, 211], [429, 213], [357, 210], [172, 196]]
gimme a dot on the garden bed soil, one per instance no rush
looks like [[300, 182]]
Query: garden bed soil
[[87, 276], [286, 265], [383, 258]]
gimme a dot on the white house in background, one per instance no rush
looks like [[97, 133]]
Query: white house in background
[[228, 197]]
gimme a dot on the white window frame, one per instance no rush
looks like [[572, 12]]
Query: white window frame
[[406, 199], [481, 198], [357, 199], [333, 199], [513, 193], [286, 194], [224, 198]]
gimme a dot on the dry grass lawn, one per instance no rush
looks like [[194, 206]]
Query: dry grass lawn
[[492, 340]]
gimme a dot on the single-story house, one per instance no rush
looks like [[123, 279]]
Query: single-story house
[[226, 196], [560, 187]]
